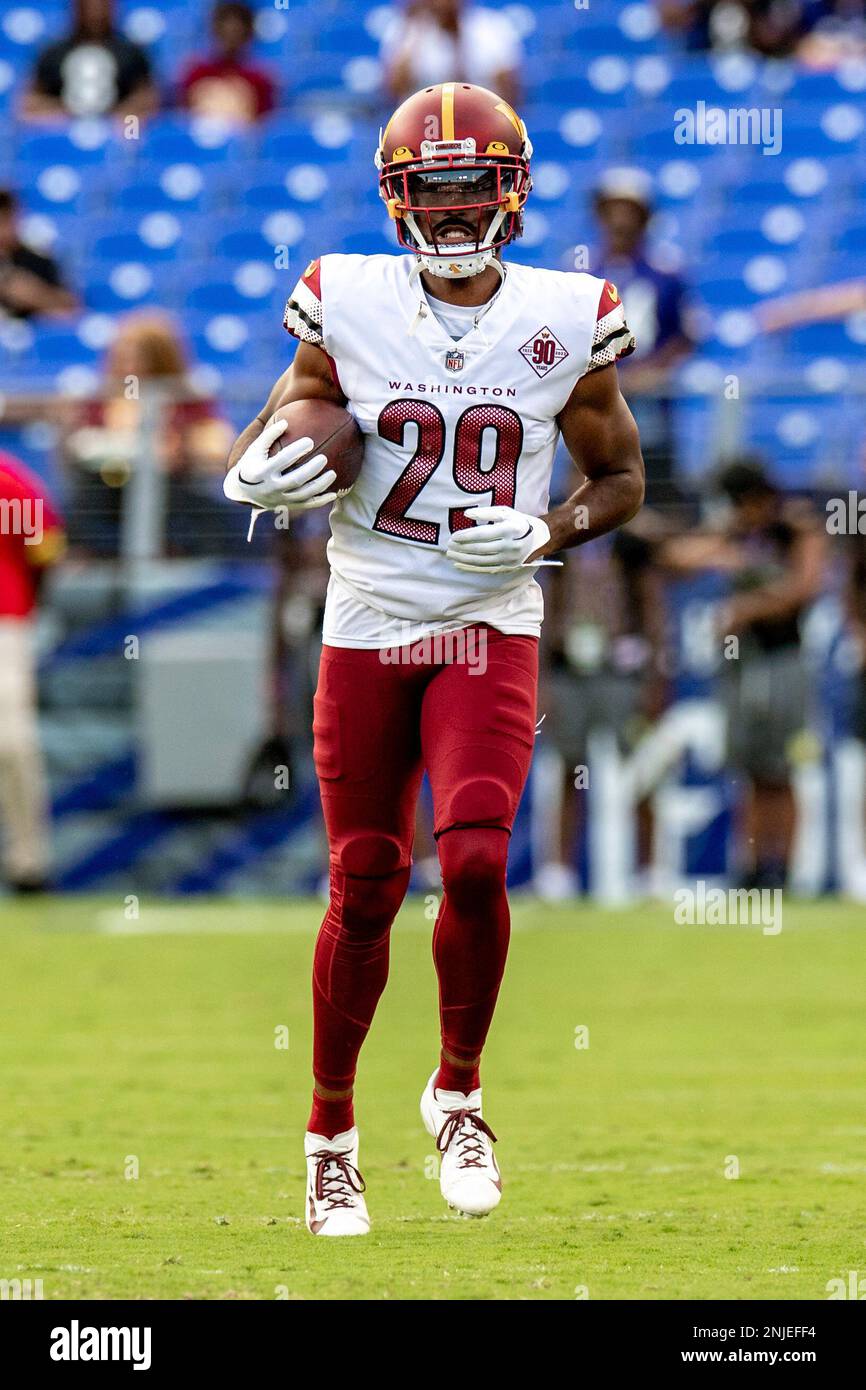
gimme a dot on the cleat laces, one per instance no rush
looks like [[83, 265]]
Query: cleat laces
[[337, 1180], [464, 1129]]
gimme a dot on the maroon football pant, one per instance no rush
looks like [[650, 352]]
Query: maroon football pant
[[466, 713]]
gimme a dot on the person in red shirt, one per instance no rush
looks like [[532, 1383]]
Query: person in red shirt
[[31, 540], [226, 84]]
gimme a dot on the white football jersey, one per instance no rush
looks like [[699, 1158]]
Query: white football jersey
[[447, 425]]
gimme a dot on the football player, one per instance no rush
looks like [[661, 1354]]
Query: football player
[[461, 371]]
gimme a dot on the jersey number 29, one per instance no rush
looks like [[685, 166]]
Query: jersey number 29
[[500, 478]]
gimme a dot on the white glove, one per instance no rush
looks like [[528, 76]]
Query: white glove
[[265, 482], [502, 542]]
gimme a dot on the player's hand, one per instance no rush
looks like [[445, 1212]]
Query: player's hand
[[267, 483], [503, 540]]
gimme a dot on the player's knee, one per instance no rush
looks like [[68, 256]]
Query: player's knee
[[369, 883], [481, 801], [371, 855], [473, 864]]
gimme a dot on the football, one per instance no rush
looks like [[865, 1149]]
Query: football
[[334, 432]]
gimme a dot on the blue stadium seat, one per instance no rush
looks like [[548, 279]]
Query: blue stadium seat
[[26, 28], [184, 141], [291, 142], [132, 246], [237, 287], [852, 238], [82, 143], [226, 342], [56, 188], [371, 242], [347, 38], [177, 188], [796, 433], [131, 284], [635, 31], [832, 339], [830, 130]]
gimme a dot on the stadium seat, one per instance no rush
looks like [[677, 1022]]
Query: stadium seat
[[176, 188], [183, 141]]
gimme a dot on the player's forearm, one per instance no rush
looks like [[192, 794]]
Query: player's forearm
[[308, 378], [281, 393], [600, 434], [243, 441], [599, 505]]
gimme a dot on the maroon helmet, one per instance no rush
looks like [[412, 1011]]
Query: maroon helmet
[[453, 167]]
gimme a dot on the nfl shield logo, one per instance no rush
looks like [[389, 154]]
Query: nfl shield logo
[[454, 361]]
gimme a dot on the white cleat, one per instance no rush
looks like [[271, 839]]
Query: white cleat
[[468, 1172], [335, 1203]]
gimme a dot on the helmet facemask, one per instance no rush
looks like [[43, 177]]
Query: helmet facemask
[[481, 195]]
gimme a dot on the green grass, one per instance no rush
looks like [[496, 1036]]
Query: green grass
[[155, 1039]]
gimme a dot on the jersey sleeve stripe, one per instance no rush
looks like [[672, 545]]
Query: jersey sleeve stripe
[[622, 346], [303, 316], [612, 337], [623, 333]]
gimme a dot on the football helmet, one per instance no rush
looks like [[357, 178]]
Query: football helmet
[[454, 174]]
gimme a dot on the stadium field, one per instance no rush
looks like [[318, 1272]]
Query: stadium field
[[153, 1118]]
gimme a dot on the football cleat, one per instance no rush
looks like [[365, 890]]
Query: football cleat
[[335, 1203], [468, 1173], [454, 175]]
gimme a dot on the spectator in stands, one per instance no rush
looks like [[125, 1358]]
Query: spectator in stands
[[450, 40], [93, 71], [836, 35], [773, 549], [227, 83], [656, 302], [771, 27], [103, 441], [31, 540], [30, 282]]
